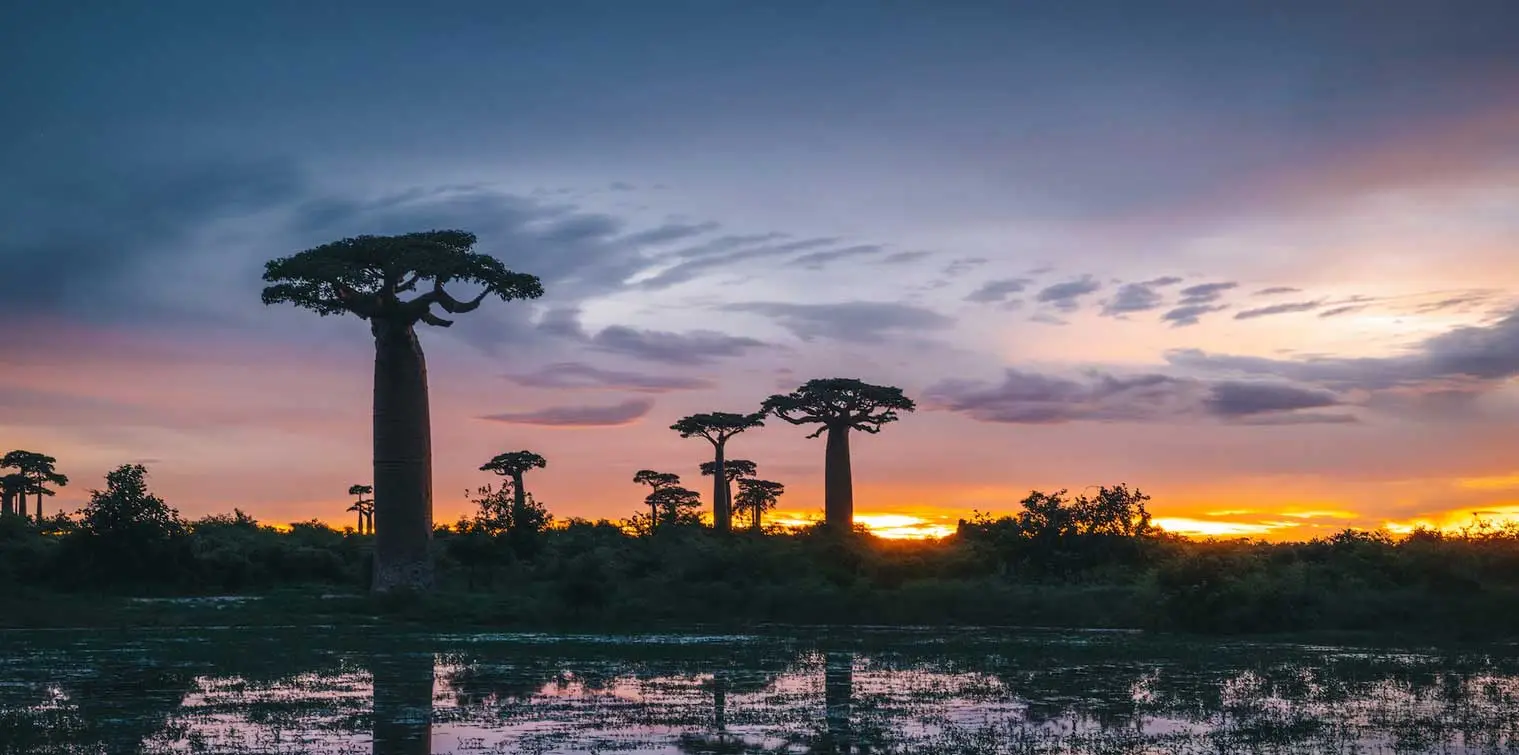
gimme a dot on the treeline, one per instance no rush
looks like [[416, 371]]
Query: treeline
[[1062, 560]]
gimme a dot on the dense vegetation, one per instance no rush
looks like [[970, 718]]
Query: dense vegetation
[[1061, 561]]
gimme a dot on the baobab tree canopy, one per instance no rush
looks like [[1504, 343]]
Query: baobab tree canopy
[[656, 480], [733, 469], [717, 428], [844, 402], [360, 489], [514, 463], [366, 276]]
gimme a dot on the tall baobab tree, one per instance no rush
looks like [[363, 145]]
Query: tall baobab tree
[[756, 497], [838, 405], [38, 472], [717, 428], [656, 481], [733, 469], [364, 506], [12, 488], [514, 464], [366, 276]]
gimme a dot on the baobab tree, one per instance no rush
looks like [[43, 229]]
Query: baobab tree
[[675, 505], [37, 473], [733, 469], [366, 276], [364, 506], [12, 487], [755, 497], [717, 428], [838, 405], [656, 481], [514, 464]]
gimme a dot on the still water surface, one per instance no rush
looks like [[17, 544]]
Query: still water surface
[[361, 690]]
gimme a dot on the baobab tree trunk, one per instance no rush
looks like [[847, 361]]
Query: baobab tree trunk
[[519, 497], [838, 485], [754, 519], [722, 515], [402, 460], [39, 508]]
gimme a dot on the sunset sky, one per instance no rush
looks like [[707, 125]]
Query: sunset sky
[[1260, 261]]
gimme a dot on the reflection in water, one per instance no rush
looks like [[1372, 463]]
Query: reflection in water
[[403, 694], [876, 692]]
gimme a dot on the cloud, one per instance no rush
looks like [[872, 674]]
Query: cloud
[[692, 347], [669, 232], [816, 260], [998, 290], [1343, 310], [1471, 358], [1132, 297], [578, 375], [1278, 309], [1164, 280], [855, 322], [625, 413], [1033, 398], [1205, 293], [1275, 290], [1188, 315], [897, 258], [1065, 296], [727, 252], [962, 265]]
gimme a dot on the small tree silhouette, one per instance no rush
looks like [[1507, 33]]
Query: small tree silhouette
[[656, 481], [717, 428], [364, 506], [366, 276], [38, 472], [513, 465], [12, 488], [675, 505], [733, 469], [838, 405], [755, 497]]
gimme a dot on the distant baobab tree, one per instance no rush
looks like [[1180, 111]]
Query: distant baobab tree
[[364, 506], [12, 489], [366, 276], [733, 469], [37, 473], [675, 505], [755, 497], [513, 465], [656, 481], [838, 405], [717, 428]]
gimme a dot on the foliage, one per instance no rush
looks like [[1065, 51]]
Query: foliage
[[514, 463], [733, 469], [839, 402], [755, 497]]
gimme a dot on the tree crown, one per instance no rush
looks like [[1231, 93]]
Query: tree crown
[[765, 491], [126, 509], [717, 427], [839, 402], [36, 469], [366, 275], [514, 463], [656, 480], [360, 489], [733, 469]]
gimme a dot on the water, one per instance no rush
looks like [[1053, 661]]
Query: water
[[368, 689]]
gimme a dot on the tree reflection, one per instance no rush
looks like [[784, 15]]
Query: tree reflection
[[403, 689]]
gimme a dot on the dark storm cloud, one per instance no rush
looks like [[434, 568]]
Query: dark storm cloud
[[998, 290], [853, 322], [1470, 358], [625, 413], [1189, 315], [1033, 398], [1066, 296], [816, 260], [1278, 309], [1275, 290], [578, 375], [1133, 297]]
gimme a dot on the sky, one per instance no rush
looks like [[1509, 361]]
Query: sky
[[1259, 261]]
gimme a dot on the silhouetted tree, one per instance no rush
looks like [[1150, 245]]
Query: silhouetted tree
[[675, 505], [755, 497], [656, 482], [366, 276], [838, 405], [364, 506], [12, 486], [717, 428], [513, 465], [733, 469], [38, 472], [126, 532]]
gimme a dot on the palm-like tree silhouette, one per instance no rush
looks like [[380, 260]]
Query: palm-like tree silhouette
[[656, 481], [717, 428], [755, 497], [838, 405], [513, 465], [364, 507], [366, 276]]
